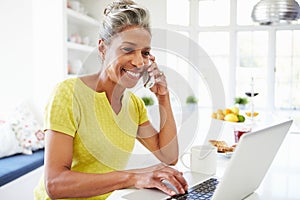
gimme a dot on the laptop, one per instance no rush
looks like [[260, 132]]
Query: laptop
[[244, 173]]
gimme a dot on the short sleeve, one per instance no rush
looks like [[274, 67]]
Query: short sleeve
[[62, 111], [141, 108]]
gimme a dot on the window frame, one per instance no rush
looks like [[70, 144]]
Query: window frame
[[233, 28]]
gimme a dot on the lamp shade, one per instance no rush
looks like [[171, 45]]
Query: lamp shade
[[267, 12]]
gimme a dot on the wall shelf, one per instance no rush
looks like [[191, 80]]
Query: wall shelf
[[81, 35], [80, 47], [81, 19]]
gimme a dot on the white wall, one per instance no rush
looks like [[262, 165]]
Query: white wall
[[157, 9], [31, 50], [49, 26], [16, 53]]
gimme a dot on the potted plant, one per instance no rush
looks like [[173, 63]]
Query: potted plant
[[191, 100], [148, 101], [241, 102]]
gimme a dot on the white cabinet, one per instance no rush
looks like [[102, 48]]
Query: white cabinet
[[82, 20]]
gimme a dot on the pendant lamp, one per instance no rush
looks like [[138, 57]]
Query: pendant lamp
[[267, 12]]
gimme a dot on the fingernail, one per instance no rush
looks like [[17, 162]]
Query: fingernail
[[173, 193]]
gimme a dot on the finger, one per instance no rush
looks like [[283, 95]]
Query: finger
[[152, 58], [153, 67], [182, 181], [157, 73], [163, 187], [179, 177], [175, 178], [161, 79]]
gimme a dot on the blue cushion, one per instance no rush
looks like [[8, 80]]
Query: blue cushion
[[13, 167]]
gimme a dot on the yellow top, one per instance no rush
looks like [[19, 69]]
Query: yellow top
[[103, 140]]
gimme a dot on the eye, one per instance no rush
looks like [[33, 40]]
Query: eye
[[146, 53], [127, 49]]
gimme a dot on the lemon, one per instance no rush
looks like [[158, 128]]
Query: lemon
[[235, 110], [231, 118], [220, 116], [214, 115], [220, 111]]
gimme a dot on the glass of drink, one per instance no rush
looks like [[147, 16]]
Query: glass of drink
[[239, 131]]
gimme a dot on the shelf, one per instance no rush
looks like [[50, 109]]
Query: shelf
[[80, 18], [80, 47]]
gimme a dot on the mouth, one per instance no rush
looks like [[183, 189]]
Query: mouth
[[131, 74]]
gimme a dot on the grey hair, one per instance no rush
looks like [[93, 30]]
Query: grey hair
[[120, 15]]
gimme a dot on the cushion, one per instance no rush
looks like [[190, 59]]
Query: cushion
[[28, 131], [15, 166], [8, 142]]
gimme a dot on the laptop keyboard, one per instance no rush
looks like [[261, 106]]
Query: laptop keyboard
[[204, 190]]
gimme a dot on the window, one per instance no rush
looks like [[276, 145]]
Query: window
[[173, 17], [244, 10], [218, 51], [242, 49], [287, 69], [252, 63], [214, 13]]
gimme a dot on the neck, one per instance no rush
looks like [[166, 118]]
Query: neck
[[114, 92]]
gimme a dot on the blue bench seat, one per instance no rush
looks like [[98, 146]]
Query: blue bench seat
[[13, 167]]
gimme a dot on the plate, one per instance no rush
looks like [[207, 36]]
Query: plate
[[226, 154]]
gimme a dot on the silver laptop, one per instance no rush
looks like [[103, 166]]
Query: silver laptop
[[245, 171]]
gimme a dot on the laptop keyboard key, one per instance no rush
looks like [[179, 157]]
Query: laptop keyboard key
[[202, 191]]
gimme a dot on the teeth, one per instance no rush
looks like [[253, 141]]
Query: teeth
[[133, 74]]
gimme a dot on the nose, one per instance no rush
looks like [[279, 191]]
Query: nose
[[138, 60]]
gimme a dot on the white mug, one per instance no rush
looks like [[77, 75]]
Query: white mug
[[203, 159]]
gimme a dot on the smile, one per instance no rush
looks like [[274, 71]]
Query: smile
[[133, 74]]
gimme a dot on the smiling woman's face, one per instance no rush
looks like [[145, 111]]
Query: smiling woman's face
[[127, 55]]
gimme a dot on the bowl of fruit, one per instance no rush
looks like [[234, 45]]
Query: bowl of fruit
[[229, 115]]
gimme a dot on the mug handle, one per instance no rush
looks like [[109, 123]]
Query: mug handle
[[181, 159]]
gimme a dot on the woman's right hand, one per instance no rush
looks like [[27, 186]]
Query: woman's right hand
[[154, 178]]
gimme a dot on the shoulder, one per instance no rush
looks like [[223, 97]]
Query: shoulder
[[137, 102], [65, 87], [67, 84], [133, 97]]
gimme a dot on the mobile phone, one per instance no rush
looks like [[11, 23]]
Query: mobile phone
[[148, 80]]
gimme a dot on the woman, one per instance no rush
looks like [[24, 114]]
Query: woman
[[91, 122]]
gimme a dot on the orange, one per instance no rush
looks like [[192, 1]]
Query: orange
[[227, 111], [249, 114]]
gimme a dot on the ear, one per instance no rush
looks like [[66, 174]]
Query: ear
[[102, 48]]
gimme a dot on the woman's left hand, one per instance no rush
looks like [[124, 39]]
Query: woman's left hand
[[160, 87]]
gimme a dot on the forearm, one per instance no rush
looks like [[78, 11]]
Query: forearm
[[70, 184], [167, 136]]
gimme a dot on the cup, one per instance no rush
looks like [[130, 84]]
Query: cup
[[203, 159], [239, 131]]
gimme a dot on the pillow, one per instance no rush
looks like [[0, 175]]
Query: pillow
[[28, 131], [8, 141]]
